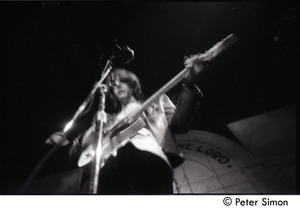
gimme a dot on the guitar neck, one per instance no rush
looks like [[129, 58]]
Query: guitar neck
[[173, 82], [209, 55]]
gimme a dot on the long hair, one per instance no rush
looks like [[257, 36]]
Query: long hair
[[131, 80]]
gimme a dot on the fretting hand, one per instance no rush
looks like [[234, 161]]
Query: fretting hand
[[195, 67]]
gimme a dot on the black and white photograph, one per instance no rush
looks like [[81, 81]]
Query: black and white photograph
[[148, 98]]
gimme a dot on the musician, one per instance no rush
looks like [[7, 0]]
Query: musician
[[144, 164]]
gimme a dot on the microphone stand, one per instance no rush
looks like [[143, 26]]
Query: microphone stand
[[100, 120], [97, 146], [99, 128]]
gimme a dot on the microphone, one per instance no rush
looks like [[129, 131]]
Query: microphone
[[122, 54]]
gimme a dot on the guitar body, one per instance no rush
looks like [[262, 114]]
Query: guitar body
[[111, 143]]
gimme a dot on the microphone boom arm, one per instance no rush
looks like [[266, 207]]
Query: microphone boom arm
[[106, 71]]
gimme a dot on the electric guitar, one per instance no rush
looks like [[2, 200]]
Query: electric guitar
[[120, 133]]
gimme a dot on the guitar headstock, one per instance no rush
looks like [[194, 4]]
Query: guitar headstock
[[215, 51]]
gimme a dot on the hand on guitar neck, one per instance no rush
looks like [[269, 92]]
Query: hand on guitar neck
[[196, 64], [195, 67]]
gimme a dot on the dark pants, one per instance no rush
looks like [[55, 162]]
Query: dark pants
[[135, 172]]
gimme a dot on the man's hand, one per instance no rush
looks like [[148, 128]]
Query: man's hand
[[57, 138], [195, 67]]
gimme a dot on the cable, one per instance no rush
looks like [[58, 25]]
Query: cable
[[36, 170]]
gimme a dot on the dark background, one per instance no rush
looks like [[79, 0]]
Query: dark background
[[52, 54]]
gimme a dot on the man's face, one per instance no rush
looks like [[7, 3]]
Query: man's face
[[122, 91]]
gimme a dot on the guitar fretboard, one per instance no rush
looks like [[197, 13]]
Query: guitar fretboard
[[209, 55]]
